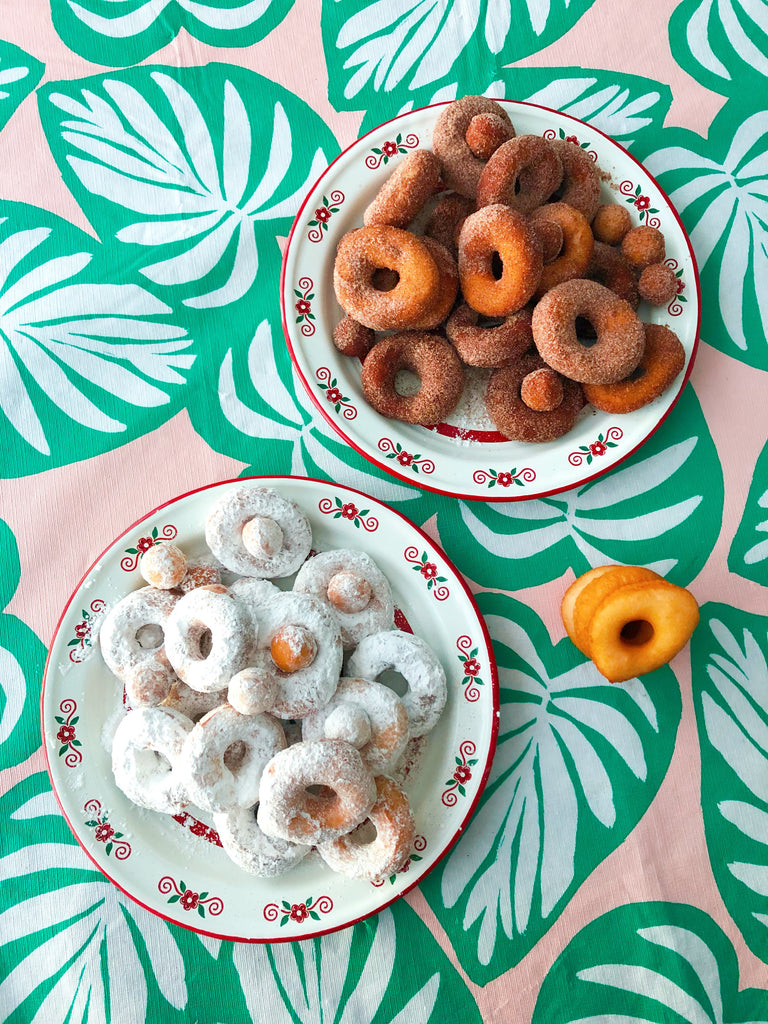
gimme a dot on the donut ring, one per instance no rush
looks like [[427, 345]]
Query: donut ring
[[663, 359], [599, 586], [580, 186], [300, 692], [147, 780], [448, 287], [608, 267], [522, 174], [489, 346], [193, 703], [461, 168], [406, 190], [377, 614], [620, 336], [137, 620], [288, 810], [415, 660], [432, 359], [364, 251], [518, 421], [577, 244], [384, 855], [497, 230], [228, 517], [569, 597], [208, 612], [253, 850], [213, 782], [445, 221], [389, 729]]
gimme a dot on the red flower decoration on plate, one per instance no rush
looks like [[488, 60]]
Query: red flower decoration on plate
[[348, 510], [298, 912], [67, 735], [143, 544], [188, 899], [408, 460], [461, 775], [428, 570], [105, 833]]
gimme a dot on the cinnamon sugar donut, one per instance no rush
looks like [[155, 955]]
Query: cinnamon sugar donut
[[354, 587], [361, 253], [522, 174], [214, 779], [489, 346], [149, 780], [610, 268], [384, 855], [445, 221], [499, 231], [352, 338], [576, 247], [611, 223], [448, 287], [657, 284], [580, 185], [432, 359], [406, 190], [208, 617], [518, 421], [283, 532], [132, 640], [643, 246], [289, 809], [461, 168], [620, 336], [251, 849], [663, 359]]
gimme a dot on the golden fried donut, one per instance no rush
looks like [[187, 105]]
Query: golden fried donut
[[352, 338], [662, 361], [580, 185], [522, 173], [447, 289], [514, 418], [657, 284], [577, 244], [406, 190], [643, 246], [489, 346], [572, 593], [445, 221], [485, 133], [384, 855], [497, 231], [432, 359], [620, 336], [610, 268], [364, 251], [542, 390], [611, 223], [593, 594], [461, 168]]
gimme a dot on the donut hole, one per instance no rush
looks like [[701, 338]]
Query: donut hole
[[200, 641], [293, 647], [234, 755], [395, 681], [150, 636], [497, 266], [636, 632], [407, 383], [385, 279], [585, 331], [363, 835], [152, 764]]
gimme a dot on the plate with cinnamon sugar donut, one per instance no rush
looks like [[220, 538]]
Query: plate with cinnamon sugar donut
[[269, 708], [490, 299]]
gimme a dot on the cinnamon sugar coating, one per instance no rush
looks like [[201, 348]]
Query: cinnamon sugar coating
[[609, 267], [352, 338], [489, 346], [522, 174], [580, 185], [643, 246], [461, 168], [663, 359], [485, 133], [611, 223], [406, 190], [542, 390], [432, 359], [518, 421], [657, 284], [576, 247], [444, 223], [499, 231]]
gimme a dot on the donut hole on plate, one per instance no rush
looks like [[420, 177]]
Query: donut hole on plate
[[395, 681], [384, 279], [636, 632], [234, 755], [150, 636], [407, 383], [585, 332]]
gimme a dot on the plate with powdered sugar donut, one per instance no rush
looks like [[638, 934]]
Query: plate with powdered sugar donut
[[269, 708], [490, 299]]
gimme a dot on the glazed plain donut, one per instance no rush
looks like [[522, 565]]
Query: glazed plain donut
[[369, 249], [663, 359], [415, 660], [354, 587], [497, 231], [146, 779], [132, 639], [522, 174], [388, 851], [287, 807], [580, 185], [283, 527], [405, 191], [577, 243], [620, 336], [388, 728], [461, 168], [489, 346], [518, 421], [224, 756], [253, 850], [208, 615]]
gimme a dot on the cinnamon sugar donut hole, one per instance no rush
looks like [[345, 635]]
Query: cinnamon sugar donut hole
[[620, 336], [663, 359], [611, 223], [542, 390], [516, 420], [432, 359], [497, 231], [580, 185], [577, 245], [522, 174], [489, 346], [461, 168], [643, 246], [657, 284], [485, 133], [352, 338], [406, 190]]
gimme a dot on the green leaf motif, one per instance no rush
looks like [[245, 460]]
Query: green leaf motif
[[649, 963], [730, 688], [19, 74], [577, 763], [748, 556], [723, 45]]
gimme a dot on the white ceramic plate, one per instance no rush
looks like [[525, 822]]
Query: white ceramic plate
[[173, 867], [451, 460]]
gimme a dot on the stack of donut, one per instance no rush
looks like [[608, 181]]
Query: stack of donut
[[262, 706], [518, 237]]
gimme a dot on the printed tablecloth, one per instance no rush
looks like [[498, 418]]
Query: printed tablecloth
[[152, 156]]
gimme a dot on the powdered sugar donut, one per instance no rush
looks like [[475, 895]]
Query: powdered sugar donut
[[292, 619], [278, 533], [339, 579], [253, 850], [289, 810], [224, 757], [415, 660], [388, 728], [201, 572], [193, 703], [146, 779], [208, 615], [163, 566], [132, 639], [385, 854]]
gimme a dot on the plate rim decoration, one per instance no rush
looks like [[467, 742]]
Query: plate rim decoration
[[380, 440], [68, 760]]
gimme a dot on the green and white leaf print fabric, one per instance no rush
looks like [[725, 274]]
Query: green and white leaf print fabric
[[748, 555], [722, 43], [19, 74]]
